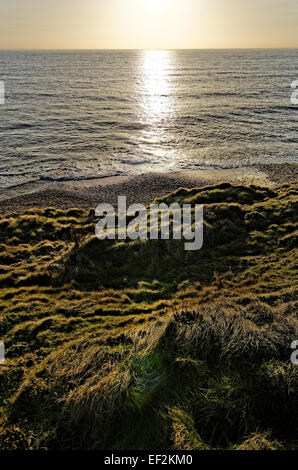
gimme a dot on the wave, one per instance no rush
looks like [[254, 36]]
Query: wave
[[19, 126], [76, 178], [43, 178]]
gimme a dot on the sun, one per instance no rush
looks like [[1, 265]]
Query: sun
[[156, 4]]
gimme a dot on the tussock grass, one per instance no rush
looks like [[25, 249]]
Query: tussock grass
[[141, 345]]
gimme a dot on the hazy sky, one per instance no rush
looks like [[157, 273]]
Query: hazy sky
[[148, 24]]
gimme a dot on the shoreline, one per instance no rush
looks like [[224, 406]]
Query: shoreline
[[143, 188]]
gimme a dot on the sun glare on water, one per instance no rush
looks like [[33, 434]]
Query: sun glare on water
[[155, 91], [156, 86]]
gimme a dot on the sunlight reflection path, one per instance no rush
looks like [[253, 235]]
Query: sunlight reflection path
[[157, 103], [156, 86]]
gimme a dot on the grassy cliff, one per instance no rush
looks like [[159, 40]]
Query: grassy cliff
[[142, 345]]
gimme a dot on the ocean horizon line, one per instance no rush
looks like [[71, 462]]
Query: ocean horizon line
[[151, 49]]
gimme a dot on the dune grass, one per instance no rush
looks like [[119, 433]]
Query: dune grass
[[142, 345]]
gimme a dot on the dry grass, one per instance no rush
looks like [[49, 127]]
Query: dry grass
[[141, 345]]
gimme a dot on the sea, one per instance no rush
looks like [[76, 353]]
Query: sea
[[83, 115]]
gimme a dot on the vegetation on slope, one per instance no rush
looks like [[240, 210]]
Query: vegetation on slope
[[142, 345]]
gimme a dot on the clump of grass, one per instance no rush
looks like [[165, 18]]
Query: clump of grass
[[185, 436], [260, 442]]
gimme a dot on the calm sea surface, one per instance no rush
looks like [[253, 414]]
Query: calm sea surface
[[83, 115]]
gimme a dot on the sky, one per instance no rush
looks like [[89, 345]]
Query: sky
[[148, 24]]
